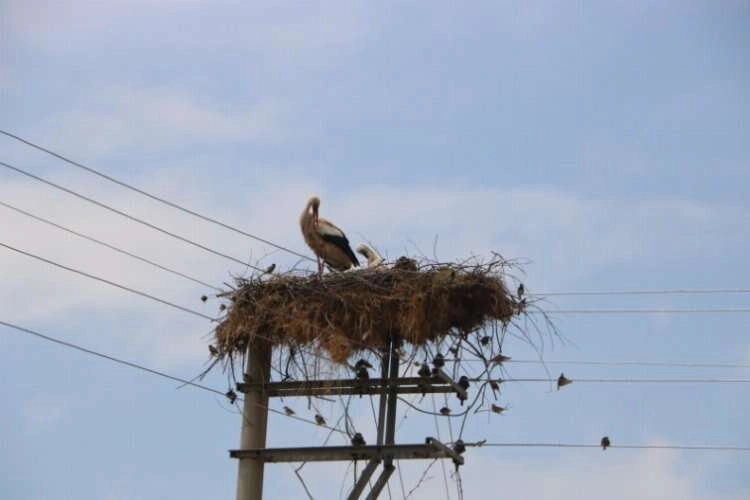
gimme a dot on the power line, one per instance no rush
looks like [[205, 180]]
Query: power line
[[112, 283], [152, 371], [191, 311], [110, 246], [629, 380], [143, 294], [128, 216], [137, 292], [303, 256], [108, 357], [307, 257], [437, 431], [644, 311], [623, 446], [620, 363], [154, 197], [675, 291]]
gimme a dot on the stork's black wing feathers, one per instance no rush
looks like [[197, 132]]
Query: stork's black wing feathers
[[343, 243]]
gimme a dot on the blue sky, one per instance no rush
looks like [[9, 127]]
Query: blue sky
[[605, 143]]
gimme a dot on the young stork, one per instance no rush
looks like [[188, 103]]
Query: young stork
[[373, 259], [325, 239]]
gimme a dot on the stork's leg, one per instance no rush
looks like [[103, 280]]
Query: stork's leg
[[320, 266]]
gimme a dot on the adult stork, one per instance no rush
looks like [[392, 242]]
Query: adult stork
[[325, 239], [373, 259]]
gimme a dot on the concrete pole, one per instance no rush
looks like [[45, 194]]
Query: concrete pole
[[254, 421]]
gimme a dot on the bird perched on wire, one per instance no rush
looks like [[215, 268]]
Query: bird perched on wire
[[500, 359], [328, 242], [362, 363], [497, 409], [288, 411], [459, 446], [319, 419], [605, 442], [424, 370], [231, 396], [361, 373], [204, 298], [213, 350], [445, 411], [521, 291], [424, 374], [463, 383], [270, 269], [562, 381], [361, 369], [374, 260], [438, 361], [358, 440], [495, 386]]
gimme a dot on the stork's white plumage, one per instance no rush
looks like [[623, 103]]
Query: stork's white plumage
[[329, 243], [373, 258]]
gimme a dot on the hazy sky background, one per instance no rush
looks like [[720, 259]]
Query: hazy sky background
[[606, 143]]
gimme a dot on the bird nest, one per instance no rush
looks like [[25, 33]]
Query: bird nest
[[342, 314]]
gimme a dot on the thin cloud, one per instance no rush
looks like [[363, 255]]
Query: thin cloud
[[159, 119]]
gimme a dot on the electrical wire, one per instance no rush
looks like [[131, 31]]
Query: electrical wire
[[134, 291], [152, 371], [110, 246], [677, 291], [137, 292], [108, 357], [111, 283], [307, 257], [437, 431], [643, 311], [196, 313], [674, 291], [622, 446], [154, 197], [665, 364], [128, 216], [628, 380]]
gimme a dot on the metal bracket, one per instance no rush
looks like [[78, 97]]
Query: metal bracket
[[430, 449], [441, 383], [446, 379]]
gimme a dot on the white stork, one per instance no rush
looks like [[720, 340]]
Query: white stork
[[373, 259], [325, 239]]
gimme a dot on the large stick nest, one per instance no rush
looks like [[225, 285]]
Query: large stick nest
[[345, 313]]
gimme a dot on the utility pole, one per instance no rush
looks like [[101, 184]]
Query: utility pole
[[254, 420], [257, 388]]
